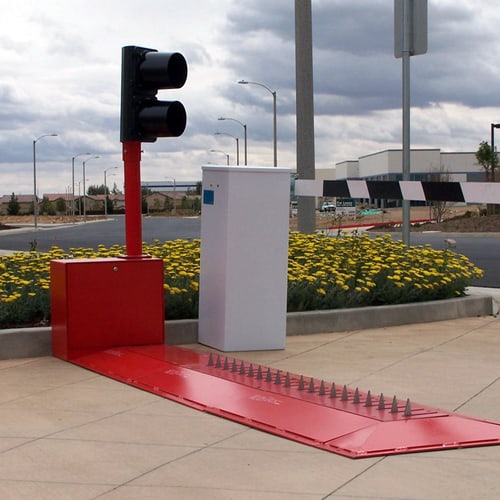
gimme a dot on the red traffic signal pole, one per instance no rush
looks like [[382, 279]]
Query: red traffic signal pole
[[133, 221]]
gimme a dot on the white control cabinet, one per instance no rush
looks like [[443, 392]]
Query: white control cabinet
[[244, 257]]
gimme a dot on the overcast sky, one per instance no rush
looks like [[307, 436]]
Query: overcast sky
[[60, 70]]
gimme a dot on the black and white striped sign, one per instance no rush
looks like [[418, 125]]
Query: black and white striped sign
[[468, 192]]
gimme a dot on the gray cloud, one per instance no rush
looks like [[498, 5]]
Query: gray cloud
[[60, 72]]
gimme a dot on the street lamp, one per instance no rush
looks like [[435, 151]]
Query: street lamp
[[237, 145], [175, 199], [73, 182], [106, 192], [83, 171], [275, 132], [493, 152], [35, 204], [245, 132], [222, 152]]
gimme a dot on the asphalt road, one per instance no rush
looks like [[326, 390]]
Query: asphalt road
[[105, 232], [482, 249]]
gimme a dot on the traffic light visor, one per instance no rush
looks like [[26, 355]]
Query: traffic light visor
[[161, 70]]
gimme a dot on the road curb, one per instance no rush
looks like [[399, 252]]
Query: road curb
[[37, 341]]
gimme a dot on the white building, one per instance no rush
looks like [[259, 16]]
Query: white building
[[425, 164]]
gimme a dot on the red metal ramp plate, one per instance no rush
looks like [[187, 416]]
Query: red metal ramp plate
[[313, 412]]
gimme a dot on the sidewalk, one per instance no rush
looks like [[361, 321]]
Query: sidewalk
[[67, 433]]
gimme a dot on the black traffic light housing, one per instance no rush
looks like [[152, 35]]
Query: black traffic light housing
[[145, 71]]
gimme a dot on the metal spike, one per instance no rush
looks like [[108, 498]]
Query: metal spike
[[381, 402], [218, 362], [259, 373], [250, 370], [210, 360], [333, 391], [408, 408], [368, 401], [356, 397], [288, 382], [269, 376], [301, 383], [322, 390], [234, 367], [277, 380], [226, 364], [394, 407], [344, 394], [242, 368], [311, 385]]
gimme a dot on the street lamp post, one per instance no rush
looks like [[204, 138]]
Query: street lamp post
[[79, 199], [175, 199], [35, 204], [237, 145], [275, 128], [222, 152], [73, 182], [245, 134], [493, 152], [83, 172], [106, 192]]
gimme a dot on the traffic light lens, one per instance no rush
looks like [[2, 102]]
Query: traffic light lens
[[163, 119], [161, 70]]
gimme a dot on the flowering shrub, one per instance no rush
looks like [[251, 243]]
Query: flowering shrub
[[353, 271], [323, 273]]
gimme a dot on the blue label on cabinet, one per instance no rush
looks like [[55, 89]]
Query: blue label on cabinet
[[208, 196]]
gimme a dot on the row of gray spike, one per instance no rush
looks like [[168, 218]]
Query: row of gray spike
[[311, 388]]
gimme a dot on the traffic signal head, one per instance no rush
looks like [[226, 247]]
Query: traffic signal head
[[143, 117]]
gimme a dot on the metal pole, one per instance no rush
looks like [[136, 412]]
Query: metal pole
[[245, 132], [73, 188], [306, 215], [84, 201], [237, 145], [84, 204], [275, 117], [175, 201], [222, 152], [105, 197], [35, 204], [106, 192], [133, 222], [406, 115], [494, 153], [73, 181], [275, 130]]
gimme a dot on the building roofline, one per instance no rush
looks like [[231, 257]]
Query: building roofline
[[399, 150]]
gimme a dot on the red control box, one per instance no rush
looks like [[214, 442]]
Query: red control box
[[102, 303]]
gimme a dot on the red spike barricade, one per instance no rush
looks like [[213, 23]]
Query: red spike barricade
[[355, 425]]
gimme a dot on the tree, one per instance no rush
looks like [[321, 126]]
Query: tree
[[196, 190], [488, 159], [46, 207], [439, 208], [145, 192], [193, 204], [61, 205], [94, 189], [115, 189], [13, 206]]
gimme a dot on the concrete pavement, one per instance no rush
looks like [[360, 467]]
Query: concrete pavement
[[68, 433]]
